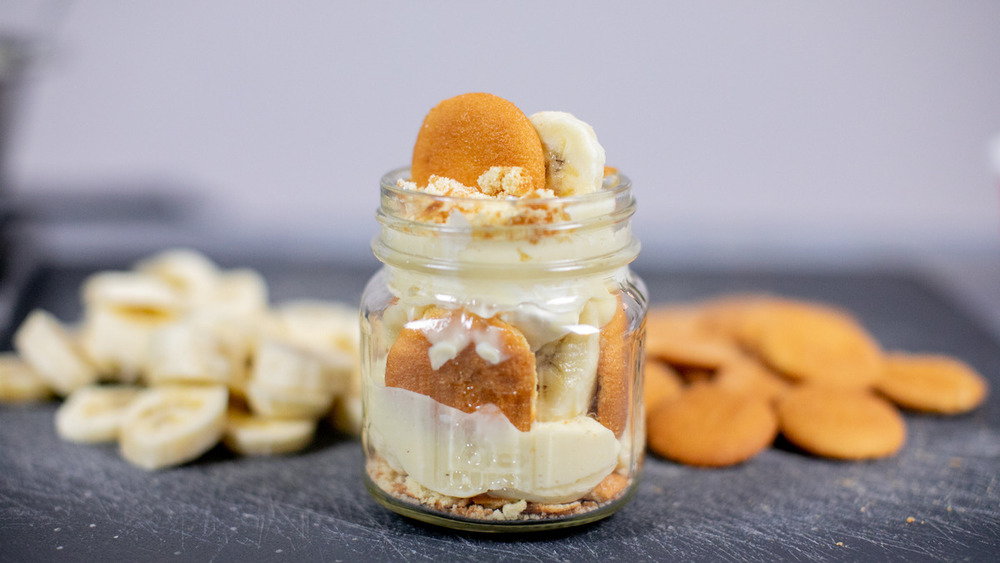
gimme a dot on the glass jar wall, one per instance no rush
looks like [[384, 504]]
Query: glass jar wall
[[502, 358]]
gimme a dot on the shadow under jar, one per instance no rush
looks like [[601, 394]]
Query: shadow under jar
[[502, 358]]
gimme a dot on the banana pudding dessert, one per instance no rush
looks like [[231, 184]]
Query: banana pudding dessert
[[502, 339]]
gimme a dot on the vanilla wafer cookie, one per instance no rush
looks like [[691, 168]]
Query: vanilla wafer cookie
[[932, 383], [841, 423]]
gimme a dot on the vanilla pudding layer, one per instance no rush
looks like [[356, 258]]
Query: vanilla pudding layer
[[466, 454]]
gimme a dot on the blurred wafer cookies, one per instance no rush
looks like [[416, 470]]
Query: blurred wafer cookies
[[678, 335], [816, 344], [841, 423], [931, 383], [661, 383], [710, 426], [734, 316], [813, 363], [747, 375]]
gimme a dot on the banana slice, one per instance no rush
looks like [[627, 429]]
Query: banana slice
[[574, 160], [130, 290], [187, 352], [290, 382], [94, 414], [240, 293], [117, 339], [274, 401], [235, 338], [171, 425], [278, 364], [48, 348], [188, 271], [19, 383], [567, 370], [320, 325], [253, 435], [232, 337]]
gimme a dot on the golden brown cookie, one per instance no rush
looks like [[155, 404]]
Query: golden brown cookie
[[747, 375], [661, 383], [841, 423], [487, 501], [677, 335], [817, 344], [690, 376], [613, 375], [467, 381], [711, 427], [932, 383], [611, 487], [463, 137], [736, 317]]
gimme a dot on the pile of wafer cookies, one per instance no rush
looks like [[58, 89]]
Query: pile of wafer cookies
[[725, 376]]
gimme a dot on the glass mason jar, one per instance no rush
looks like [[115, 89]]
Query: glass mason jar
[[502, 346]]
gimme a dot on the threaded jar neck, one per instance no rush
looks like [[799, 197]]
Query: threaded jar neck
[[501, 238]]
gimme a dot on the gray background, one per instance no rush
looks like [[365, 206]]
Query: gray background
[[772, 131]]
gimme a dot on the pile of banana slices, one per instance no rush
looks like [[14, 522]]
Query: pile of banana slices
[[176, 355]]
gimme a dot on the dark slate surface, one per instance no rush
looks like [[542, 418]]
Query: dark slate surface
[[939, 499]]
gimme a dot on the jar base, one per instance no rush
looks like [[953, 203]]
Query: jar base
[[524, 521]]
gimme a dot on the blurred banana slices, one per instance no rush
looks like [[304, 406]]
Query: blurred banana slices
[[171, 425], [248, 434], [177, 355], [94, 414], [53, 352], [19, 383]]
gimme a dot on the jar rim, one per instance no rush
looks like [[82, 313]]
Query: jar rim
[[614, 184], [490, 236]]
